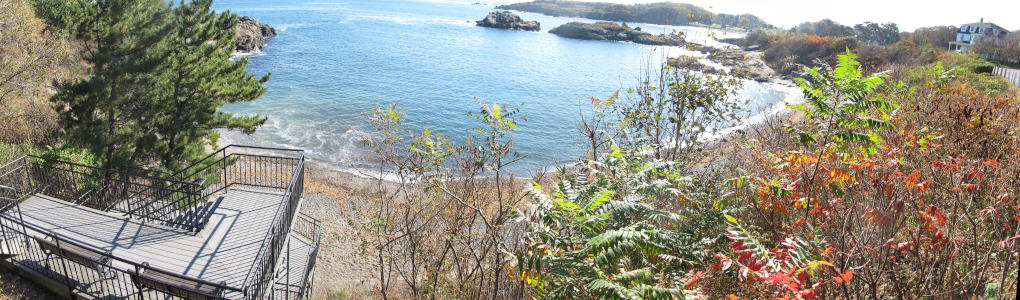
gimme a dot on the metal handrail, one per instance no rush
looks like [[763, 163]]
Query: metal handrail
[[58, 236], [223, 150], [281, 224], [263, 249], [106, 170], [315, 252], [99, 186], [13, 161], [154, 200], [185, 194]]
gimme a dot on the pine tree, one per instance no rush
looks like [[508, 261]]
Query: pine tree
[[120, 41], [197, 78], [158, 76]]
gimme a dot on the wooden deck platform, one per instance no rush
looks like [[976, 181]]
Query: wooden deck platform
[[222, 252]]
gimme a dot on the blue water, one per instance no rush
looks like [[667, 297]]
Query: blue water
[[332, 62]]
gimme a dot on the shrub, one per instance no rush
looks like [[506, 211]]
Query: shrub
[[893, 191]]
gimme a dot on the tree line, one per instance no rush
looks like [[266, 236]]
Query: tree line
[[664, 13]]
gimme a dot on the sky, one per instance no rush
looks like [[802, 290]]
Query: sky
[[908, 15]]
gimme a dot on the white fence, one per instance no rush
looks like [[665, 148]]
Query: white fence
[[1013, 75]]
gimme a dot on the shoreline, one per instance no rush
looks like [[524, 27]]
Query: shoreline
[[329, 178], [341, 200]]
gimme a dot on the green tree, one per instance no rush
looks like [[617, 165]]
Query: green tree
[[120, 39], [824, 27], [880, 34], [158, 76], [937, 37], [197, 78]]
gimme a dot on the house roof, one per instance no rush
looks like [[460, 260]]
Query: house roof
[[986, 25]]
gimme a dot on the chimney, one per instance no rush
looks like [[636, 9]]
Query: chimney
[[982, 20]]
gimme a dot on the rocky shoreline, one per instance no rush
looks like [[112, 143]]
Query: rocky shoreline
[[508, 20], [251, 35], [609, 31], [742, 64]]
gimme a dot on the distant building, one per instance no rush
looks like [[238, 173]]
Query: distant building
[[973, 33]]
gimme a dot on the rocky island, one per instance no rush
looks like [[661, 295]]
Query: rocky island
[[743, 64], [251, 35], [609, 31], [507, 20]]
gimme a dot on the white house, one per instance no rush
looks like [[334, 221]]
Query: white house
[[973, 33]]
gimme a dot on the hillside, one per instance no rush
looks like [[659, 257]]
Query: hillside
[[664, 13]]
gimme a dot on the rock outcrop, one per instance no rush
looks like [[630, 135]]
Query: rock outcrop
[[251, 36], [742, 64], [745, 64], [608, 31], [507, 20]]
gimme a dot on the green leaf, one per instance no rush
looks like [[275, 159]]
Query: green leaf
[[496, 112], [731, 219]]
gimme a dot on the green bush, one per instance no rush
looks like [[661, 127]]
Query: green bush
[[69, 153]]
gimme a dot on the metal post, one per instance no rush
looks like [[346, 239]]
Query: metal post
[[223, 165], [288, 269], [63, 264]]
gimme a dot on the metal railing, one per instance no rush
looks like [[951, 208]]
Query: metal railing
[[166, 200], [310, 230], [106, 277], [258, 167]]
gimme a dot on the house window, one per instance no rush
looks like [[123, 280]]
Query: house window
[[964, 29]]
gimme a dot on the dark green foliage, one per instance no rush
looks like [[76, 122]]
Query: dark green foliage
[[632, 222], [824, 27], [597, 236], [103, 111], [196, 79], [839, 104], [881, 34], [936, 37], [158, 75]]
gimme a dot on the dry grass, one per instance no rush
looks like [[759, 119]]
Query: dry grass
[[13, 286]]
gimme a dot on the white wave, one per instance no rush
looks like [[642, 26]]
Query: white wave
[[446, 1], [390, 18], [288, 26], [793, 96], [237, 55], [407, 20], [464, 23], [293, 8]]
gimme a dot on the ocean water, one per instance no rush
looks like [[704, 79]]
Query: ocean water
[[334, 61]]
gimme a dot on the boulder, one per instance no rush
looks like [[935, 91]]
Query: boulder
[[507, 20], [251, 35], [608, 31]]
